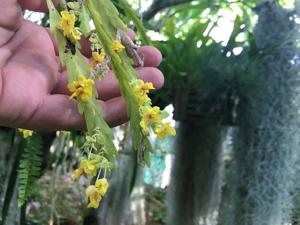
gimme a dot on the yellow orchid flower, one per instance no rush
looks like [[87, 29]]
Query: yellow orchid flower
[[141, 89], [82, 88], [26, 133], [117, 46], [94, 196], [149, 115], [77, 173], [67, 22], [164, 130], [74, 36], [102, 186], [97, 58], [89, 167]]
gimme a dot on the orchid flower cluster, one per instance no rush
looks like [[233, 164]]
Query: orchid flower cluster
[[111, 49]]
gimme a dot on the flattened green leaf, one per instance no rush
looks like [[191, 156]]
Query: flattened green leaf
[[54, 20], [84, 22]]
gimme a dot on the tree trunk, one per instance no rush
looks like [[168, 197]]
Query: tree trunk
[[194, 192], [116, 205]]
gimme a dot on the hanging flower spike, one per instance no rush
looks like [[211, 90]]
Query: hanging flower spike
[[164, 130], [102, 186], [26, 133], [94, 196], [149, 115], [117, 46], [141, 89], [82, 88], [77, 173], [97, 59], [67, 23], [89, 167]]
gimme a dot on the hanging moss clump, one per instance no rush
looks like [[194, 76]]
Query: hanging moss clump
[[266, 158]]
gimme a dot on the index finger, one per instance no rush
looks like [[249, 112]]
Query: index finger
[[36, 5]]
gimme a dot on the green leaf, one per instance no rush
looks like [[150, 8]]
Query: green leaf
[[170, 28], [54, 20], [30, 167], [84, 22], [76, 65], [135, 19], [109, 16]]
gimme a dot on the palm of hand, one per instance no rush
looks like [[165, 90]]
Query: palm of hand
[[29, 75], [33, 91]]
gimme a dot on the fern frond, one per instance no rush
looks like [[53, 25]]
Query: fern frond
[[30, 167]]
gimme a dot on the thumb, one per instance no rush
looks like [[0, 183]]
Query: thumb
[[36, 5]]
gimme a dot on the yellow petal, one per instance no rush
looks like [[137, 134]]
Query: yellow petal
[[93, 204], [91, 190], [94, 196], [164, 130], [77, 173], [117, 46], [75, 35], [72, 86], [144, 126], [26, 133]]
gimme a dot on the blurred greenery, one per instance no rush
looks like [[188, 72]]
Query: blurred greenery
[[156, 206], [205, 77]]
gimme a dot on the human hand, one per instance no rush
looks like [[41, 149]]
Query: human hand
[[33, 86]]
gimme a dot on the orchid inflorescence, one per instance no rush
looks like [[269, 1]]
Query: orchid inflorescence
[[111, 49]]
